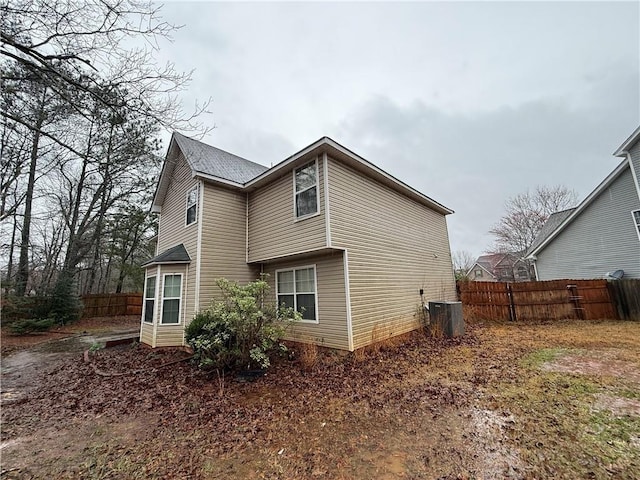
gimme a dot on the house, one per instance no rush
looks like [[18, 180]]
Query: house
[[602, 234], [499, 267], [339, 238]]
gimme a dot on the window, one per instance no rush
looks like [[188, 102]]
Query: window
[[297, 289], [306, 189], [478, 273], [636, 219], [149, 299], [171, 299], [192, 205]]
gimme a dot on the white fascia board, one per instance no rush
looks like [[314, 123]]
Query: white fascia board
[[580, 208], [627, 143]]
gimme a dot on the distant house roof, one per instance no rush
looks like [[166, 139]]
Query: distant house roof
[[203, 158], [177, 254], [553, 222], [490, 261]]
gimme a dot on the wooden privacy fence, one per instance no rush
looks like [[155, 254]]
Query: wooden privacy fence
[[550, 300], [625, 294], [112, 304]]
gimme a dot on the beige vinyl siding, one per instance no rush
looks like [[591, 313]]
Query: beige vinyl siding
[[172, 335], [273, 229], [146, 334], [396, 246], [147, 329], [331, 329], [171, 227], [223, 242], [172, 231]]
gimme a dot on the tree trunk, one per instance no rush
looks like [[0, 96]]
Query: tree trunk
[[22, 273]]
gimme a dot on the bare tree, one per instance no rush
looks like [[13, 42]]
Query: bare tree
[[462, 262], [75, 166], [75, 46], [525, 215]]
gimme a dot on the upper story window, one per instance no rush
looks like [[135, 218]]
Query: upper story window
[[636, 219], [192, 205], [478, 273], [306, 189]]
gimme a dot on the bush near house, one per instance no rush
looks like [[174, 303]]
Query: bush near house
[[239, 332]]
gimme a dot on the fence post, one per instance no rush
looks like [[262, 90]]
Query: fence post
[[512, 306]]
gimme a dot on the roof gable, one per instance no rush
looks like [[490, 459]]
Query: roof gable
[[580, 208], [343, 154]]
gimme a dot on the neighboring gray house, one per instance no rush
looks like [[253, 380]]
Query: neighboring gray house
[[602, 234]]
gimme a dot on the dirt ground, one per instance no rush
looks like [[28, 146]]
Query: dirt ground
[[11, 343], [557, 400]]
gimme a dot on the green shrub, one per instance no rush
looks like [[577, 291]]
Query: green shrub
[[239, 332], [30, 325]]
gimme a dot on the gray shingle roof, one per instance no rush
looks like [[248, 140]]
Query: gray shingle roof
[[210, 160], [177, 254], [553, 222]]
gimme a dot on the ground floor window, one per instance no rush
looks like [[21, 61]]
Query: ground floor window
[[296, 288], [171, 291], [149, 299]]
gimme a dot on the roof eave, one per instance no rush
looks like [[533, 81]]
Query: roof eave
[[622, 149], [219, 180], [178, 262]]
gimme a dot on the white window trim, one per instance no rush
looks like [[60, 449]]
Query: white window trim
[[635, 224], [144, 299], [316, 186], [295, 299], [162, 299], [188, 206]]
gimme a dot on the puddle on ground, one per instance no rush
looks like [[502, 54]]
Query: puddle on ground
[[20, 369]]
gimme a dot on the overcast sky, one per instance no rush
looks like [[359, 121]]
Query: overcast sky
[[470, 103]]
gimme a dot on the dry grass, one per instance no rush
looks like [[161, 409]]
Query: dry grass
[[308, 355]]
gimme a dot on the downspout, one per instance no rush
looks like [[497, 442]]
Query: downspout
[[246, 229], [327, 210], [535, 267], [196, 296]]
